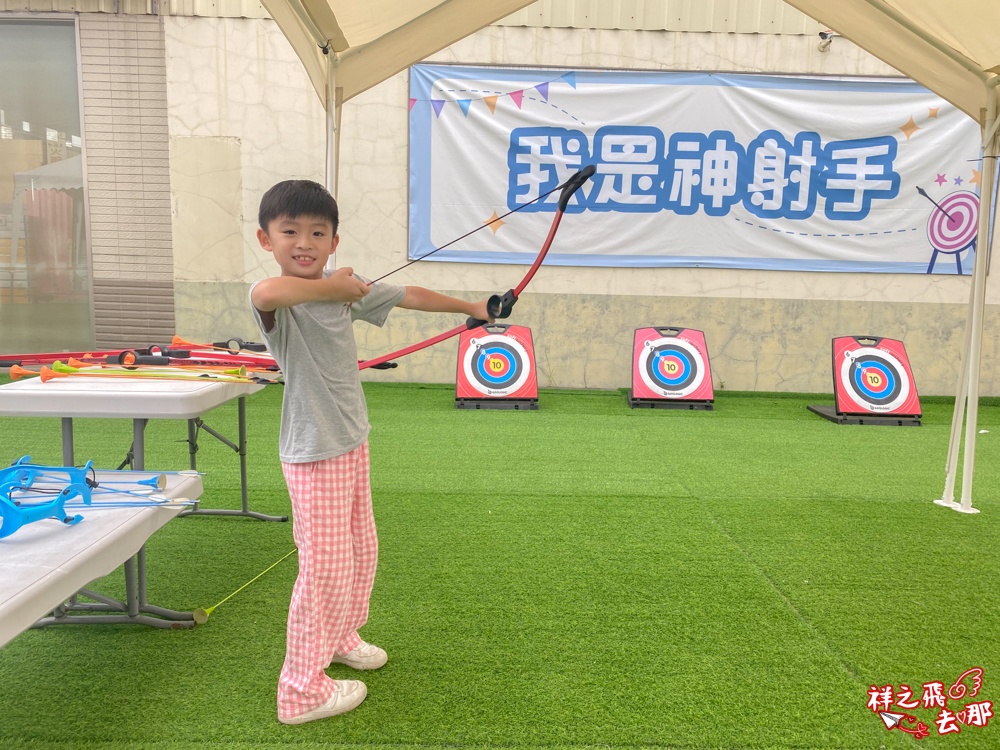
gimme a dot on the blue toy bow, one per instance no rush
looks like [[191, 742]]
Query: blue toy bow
[[17, 483], [13, 515]]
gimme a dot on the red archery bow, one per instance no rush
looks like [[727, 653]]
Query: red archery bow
[[498, 306]]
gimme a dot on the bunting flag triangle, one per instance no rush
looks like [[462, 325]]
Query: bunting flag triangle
[[491, 101]]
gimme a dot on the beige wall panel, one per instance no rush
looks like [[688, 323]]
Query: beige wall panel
[[216, 8], [238, 81], [720, 16], [623, 50], [207, 196], [210, 311]]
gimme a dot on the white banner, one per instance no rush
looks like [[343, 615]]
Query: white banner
[[693, 169]]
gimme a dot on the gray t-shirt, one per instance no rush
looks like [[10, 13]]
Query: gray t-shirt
[[323, 411]]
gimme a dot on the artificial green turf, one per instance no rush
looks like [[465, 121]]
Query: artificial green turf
[[582, 576]]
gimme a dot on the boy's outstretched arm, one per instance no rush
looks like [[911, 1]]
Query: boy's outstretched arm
[[419, 298]]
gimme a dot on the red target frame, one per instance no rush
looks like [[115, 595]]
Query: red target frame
[[872, 383], [670, 369], [496, 368], [872, 375]]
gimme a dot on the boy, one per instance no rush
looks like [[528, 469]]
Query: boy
[[305, 315]]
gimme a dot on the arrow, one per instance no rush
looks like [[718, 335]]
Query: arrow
[[923, 193], [76, 364], [48, 374], [202, 614]]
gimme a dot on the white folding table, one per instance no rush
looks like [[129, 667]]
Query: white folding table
[[45, 565], [139, 400]]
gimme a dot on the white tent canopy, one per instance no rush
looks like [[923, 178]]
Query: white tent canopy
[[953, 48]]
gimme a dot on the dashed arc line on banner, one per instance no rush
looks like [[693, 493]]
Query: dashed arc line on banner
[[824, 234]]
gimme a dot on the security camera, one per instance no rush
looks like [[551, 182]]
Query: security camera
[[827, 38]]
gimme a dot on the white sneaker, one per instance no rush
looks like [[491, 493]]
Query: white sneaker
[[363, 656], [347, 695]]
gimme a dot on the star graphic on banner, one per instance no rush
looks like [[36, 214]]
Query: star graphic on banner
[[932, 112], [958, 180], [494, 223], [909, 128], [940, 179], [977, 177]]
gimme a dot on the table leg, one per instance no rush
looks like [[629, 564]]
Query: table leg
[[67, 440], [145, 606], [131, 588], [241, 449], [139, 444], [107, 610], [242, 411], [192, 425]]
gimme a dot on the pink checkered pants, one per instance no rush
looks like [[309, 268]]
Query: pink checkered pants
[[334, 530]]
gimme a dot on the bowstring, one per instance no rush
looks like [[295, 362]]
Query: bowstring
[[482, 226]]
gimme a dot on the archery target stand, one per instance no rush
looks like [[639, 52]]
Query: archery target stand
[[872, 384], [496, 369], [670, 370]]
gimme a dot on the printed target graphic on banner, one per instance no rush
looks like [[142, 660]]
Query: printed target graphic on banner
[[873, 380], [954, 226], [671, 367], [496, 365]]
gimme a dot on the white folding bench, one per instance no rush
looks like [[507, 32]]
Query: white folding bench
[[46, 565]]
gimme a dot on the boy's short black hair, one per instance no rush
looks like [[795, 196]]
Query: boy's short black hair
[[295, 198]]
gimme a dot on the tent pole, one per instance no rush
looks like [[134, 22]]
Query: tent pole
[[947, 498], [332, 136], [990, 152], [332, 113]]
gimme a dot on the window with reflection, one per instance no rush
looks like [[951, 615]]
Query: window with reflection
[[45, 297]]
